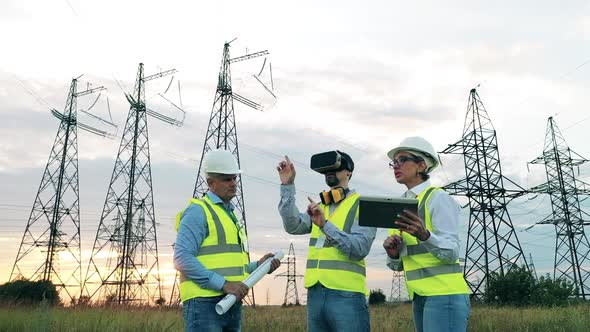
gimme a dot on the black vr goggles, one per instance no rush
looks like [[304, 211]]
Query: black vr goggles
[[331, 161]]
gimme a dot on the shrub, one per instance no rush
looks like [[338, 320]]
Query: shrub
[[513, 288], [29, 292], [549, 292], [376, 296], [518, 287]]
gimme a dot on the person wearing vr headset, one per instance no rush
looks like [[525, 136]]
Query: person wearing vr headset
[[426, 246], [335, 276]]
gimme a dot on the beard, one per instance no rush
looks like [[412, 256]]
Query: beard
[[332, 180]]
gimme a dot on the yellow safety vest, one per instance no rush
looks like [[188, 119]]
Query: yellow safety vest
[[327, 264], [427, 275], [222, 251]]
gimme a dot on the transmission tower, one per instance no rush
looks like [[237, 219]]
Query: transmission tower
[[291, 294], [126, 234], [53, 229], [572, 249], [532, 265], [174, 300], [398, 287], [222, 134], [492, 243]]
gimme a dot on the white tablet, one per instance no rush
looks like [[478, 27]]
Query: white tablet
[[379, 211]]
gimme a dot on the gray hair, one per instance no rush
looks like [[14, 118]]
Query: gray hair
[[211, 175]]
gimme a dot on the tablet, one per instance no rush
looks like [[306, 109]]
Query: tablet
[[379, 211]]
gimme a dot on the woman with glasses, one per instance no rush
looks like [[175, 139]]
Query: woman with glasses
[[426, 245]]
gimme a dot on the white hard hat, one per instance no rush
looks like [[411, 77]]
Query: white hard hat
[[220, 161], [420, 147]]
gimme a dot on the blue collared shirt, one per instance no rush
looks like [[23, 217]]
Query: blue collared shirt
[[192, 232]]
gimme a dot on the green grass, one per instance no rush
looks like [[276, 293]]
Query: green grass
[[383, 318]]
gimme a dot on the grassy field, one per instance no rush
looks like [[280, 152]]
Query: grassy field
[[383, 318]]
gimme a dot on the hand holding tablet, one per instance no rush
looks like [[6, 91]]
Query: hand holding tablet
[[382, 212]]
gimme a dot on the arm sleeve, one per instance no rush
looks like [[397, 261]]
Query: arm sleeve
[[395, 264], [251, 267], [294, 222], [443, 242]]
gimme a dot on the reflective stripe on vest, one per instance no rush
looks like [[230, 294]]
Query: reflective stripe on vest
[[336, 265], [425, 273], [218, 226], [218, 249], [428, 272], [416, 249], [220, 252], [327, 264]]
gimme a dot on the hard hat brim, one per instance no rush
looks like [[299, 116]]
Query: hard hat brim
[[226, 173]]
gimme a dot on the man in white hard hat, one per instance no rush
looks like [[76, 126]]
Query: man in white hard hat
[[335, 275], [211, 249], [426, 245]]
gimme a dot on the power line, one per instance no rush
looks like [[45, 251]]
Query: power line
[[72, 8]]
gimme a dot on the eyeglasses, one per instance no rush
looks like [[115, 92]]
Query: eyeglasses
[[401, 160]]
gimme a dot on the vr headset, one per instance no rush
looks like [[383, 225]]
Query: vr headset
[[331, 161]]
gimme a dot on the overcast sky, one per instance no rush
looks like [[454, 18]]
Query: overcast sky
[[354, 76]]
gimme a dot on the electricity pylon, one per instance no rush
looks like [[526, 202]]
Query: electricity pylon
[[572, 249], [398, 287], [124, 261], [222, 134], [492, 243], [532, 267], [50, 247], [291, 294]]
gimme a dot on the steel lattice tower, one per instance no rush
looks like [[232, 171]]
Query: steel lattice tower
[[53, 229], [126, 235], [398, 289], [492, 243], [572, 249], [222, 134], [532, 266], [174, 294], [291, 294]]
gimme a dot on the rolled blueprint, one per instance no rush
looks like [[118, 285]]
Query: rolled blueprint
[[223, 306]]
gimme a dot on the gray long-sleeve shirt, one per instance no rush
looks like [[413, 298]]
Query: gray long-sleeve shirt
[[356, 244]]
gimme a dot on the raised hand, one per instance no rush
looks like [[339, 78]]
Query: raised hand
[[286, 171]]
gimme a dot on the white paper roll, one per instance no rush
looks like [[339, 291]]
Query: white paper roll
[[223, 306]]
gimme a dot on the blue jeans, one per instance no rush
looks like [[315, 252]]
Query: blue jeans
[[199, 315], [441, 313], [336, 310]]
